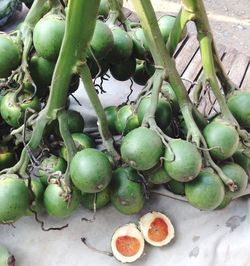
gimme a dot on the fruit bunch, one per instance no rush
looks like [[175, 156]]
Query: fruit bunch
[[50, 162]]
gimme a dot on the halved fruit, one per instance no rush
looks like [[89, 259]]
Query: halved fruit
[[127, 243], [156, 228]]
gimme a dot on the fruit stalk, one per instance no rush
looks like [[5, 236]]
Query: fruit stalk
[[95, 101], [69, 142]]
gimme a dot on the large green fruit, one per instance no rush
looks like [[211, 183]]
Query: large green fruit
[[163, 114], [123, 71], [238, 104], [90, 170], [182, 160], [48, 35], [127, 120], [139, 40], [166, 24], [123, 46], [75, 121], [140, 46], [13, 113], [56, 204], [41, 71], [141, 148], [222, 138], [10, 55], [101, 199], [141, 75], [102, 41], [126, 191], [206, 192], [111, 115], [239, 177], [14, 198]]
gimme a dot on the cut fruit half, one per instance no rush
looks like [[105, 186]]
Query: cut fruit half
[[156, 228], [127, 243]]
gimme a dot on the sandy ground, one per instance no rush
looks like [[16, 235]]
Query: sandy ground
[[229, 19]]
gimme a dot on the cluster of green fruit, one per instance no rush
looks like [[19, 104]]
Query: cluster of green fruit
[[148, 159]]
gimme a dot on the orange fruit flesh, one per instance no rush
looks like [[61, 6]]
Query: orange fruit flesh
[[127, 245], [158, 230]]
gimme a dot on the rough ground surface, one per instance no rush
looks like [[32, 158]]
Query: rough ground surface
[[229, 19]]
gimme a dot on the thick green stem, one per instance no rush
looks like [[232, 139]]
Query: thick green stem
[[157, 83], [102, 120], [175, 35], [163, 60]]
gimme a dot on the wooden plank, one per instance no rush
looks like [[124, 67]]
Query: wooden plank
[[192, 72], [180, 46], [228, 59], [238, 68], [186, 54], [245, 86]]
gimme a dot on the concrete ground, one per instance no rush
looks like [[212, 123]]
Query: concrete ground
[[229, 19]]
